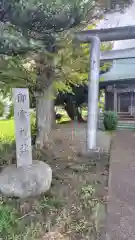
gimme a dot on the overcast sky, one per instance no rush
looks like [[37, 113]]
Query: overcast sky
[[119, 19]]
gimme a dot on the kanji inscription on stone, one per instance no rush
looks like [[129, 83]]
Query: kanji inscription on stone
[[22, 126]]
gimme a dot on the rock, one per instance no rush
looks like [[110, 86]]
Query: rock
[[25, 181]]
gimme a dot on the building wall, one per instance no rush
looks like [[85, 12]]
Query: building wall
[[119, 100]]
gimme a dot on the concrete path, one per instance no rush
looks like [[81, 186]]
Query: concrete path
[[121, 202]]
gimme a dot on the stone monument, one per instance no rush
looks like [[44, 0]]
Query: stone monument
[[27, 177], [22, 126]]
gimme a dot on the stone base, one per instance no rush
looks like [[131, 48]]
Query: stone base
[[103, 146], [94, 153], [26, 181]]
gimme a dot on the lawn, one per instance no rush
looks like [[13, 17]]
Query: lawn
[[7, 128]]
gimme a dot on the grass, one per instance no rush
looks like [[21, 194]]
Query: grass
[[7, 140], [8, 220], [7, 128], [13, 216]]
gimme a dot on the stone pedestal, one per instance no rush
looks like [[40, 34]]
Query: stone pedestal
[[26, 181]]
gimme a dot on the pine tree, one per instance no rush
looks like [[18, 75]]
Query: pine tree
[[34, 26]]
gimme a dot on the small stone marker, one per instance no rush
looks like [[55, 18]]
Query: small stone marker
[[22, 126]]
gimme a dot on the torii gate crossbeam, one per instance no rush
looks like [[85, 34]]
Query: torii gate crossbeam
[[117, 54]]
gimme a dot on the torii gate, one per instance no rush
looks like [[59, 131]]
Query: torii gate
[[95, 37]]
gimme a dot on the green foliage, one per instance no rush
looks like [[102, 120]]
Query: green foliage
[[8, 220], [110, 121], [7, 141], [32, 29], [71, 65], [72, 62], [41, 25], [16, 72], [33, 126], [12, 42], [1, 108], [49, 203], [5, 125], [88, 196], [11, 112], [27, 25]]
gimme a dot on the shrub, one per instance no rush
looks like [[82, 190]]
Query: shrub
[[1, 108], [33, 129], [110, 121]]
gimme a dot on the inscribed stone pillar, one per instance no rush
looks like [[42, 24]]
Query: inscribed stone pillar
[[22, 126]]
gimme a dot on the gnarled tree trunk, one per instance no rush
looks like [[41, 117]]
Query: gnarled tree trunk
[[73, 112], [44, 116], [44, 99]]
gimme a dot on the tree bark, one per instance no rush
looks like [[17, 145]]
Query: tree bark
[[44, 116], [44, 98], [73, 112]]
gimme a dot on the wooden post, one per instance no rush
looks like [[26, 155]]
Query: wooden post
[[118, 103], [115, 99], [131, 110], [105, 100], [93, 91], [22, 126]]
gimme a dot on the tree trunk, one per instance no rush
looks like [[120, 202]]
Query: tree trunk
[[44, 98], [73, 112], [44, 113]]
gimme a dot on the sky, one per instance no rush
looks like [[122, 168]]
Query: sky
[[118, 20]]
